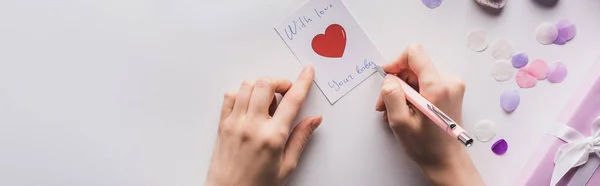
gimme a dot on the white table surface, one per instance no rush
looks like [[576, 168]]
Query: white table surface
[[127, 92]]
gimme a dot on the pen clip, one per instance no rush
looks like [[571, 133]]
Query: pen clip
[[442, 116], [380, 71]]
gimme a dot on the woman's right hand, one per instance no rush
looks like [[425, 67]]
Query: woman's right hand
[[440, 157]]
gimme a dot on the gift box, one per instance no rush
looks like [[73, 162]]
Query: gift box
[[570, 153]]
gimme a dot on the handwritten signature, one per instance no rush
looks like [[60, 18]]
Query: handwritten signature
[[360, 68]]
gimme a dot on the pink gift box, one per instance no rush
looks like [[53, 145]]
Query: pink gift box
[[579, 114]]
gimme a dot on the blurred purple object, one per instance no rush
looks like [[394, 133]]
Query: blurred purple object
[[566, 31], [557, 72], [559, 40], [500, 147], [520, 60], [509, 100], [432, 3]]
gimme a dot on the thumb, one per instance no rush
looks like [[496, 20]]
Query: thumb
[[296, 143], [395, 101]]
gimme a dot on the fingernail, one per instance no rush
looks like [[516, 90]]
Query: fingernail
[[306, 68], [315, 122]]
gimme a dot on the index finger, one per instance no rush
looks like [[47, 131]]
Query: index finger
[[293, 99], [415, 59]]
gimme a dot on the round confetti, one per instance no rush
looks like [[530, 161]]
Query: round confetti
[[566, 31], [557, 72], [502, 70], [477, 40], [509, 100], [501, 49], [546, 33], [500, 147], [432, 3], [560, 41], [538, 68], [520, 60], [525, 79], [485, 130]]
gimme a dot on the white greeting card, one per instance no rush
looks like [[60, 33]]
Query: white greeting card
[[324, 34]]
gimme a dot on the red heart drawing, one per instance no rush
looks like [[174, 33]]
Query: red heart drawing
[[332, 43]]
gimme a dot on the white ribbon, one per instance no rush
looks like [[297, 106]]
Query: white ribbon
[[576, 152]]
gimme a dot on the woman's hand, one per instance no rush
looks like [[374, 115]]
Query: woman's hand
[[441, 158], [253, 148]]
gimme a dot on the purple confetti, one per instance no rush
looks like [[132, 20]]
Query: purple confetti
[[559, 40], [509, 100], [557, 72], [520, 60], [566, 31], [432, 3], [500, 147]]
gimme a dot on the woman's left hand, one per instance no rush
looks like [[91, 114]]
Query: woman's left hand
[[254, 146]]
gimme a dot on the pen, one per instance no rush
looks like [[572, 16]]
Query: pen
[[436, 115]]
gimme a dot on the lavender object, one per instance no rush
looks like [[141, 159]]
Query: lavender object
[[579, 113], [520, 60], [557, 72], [509, 100], [559, 40], [566, 31], [432, 3]]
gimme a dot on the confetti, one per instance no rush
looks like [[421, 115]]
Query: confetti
[[559, 41], [566, 31], [432, 3], [520, 60], [501, 49], [502, 70], [525, 79], [546, 33], [477, 40], [509, 100], [485, 130], [500, 147], [538, 68], [557, 72]]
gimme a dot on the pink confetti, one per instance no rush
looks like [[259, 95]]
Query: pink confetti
[[525, 79], [557, 72], [538, 68]]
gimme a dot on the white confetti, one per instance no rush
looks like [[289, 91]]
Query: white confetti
[[501, 49], [485, 130], [546, 33], [477, 40], [503, 70]]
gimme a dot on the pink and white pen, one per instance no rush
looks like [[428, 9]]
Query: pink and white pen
[[436, 115]]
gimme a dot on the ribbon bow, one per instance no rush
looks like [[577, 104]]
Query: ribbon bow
[[575, 152]]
